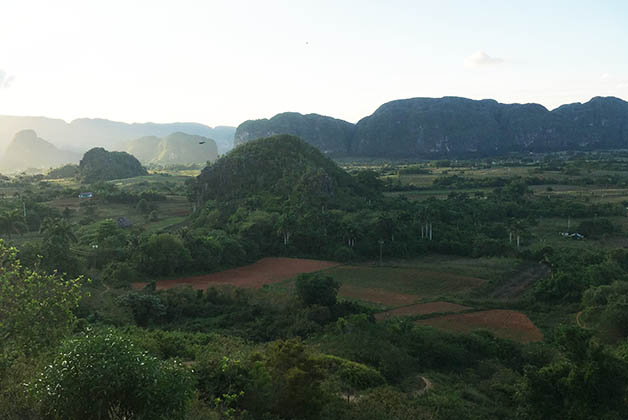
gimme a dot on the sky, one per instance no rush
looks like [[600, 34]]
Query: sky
[[224, 62]]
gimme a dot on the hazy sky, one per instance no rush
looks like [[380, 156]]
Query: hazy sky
[[223, 62]]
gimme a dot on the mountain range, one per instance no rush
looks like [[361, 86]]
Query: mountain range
[[27, 151], [85, 133], [455, 127]]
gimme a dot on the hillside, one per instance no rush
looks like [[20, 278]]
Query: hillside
[[456, 127], [329, 135], [26, 150], [177, 148], [100, 165], [283, 167], [85, 133]]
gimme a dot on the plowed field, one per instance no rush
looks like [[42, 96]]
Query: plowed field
[[265, 271], [503, 323]]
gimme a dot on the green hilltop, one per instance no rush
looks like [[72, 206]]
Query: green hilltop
[[100, 165]]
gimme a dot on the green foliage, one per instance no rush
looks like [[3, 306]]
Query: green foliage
[[296, 378], [100, 165], [35, 308], [12, 222], [596, 227], [281, 166], [103, 375], [162, 254], [119, 274], [65, 171], [317, 289], [587, 382], [352, 377], [147, 308]]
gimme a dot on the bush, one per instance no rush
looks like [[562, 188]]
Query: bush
[[316, 289], [99, 376], [119, 274]]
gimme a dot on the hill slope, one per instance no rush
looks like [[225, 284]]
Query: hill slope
[[283, 167], [26, 150], [100, 165], [177, 148], [330, 135]]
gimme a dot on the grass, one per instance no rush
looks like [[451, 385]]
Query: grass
[[415, 281]]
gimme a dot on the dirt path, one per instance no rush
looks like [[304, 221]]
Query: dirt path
[[426, 388], [579, 322], [515, 285]]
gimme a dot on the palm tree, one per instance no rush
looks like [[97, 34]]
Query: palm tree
[[58, 230], [13, 222]]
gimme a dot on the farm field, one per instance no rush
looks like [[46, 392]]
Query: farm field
[[419, 282], [263, 272], [503, 323], [422, 309]]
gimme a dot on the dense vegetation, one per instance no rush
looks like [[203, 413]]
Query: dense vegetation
[[100, 165], [301, 349]]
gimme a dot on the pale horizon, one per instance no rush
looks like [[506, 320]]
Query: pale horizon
[[221, 63]]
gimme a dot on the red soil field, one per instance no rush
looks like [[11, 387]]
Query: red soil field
[[422, 309], [503, 323], [377, 295], [253, 276]]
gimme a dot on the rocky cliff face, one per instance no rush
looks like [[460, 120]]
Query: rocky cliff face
[[456, 127], [424, 127], [330, 135]]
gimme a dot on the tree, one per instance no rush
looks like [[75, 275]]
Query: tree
[[57, 231], [297, 380], [57, 237], [163, 254], [105, 376], [316, 289], [13, 222], [35, 308], [587, 382]]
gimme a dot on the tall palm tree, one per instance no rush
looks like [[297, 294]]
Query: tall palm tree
[[13, 222], [59, 230]]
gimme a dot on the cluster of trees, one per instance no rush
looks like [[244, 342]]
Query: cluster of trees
[[349, 367]]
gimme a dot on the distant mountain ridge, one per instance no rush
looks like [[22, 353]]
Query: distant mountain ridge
[[27, 151], [456, 127], [176, 148], [85, 133]]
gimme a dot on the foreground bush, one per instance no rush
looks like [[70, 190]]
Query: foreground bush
[[104, 376]]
